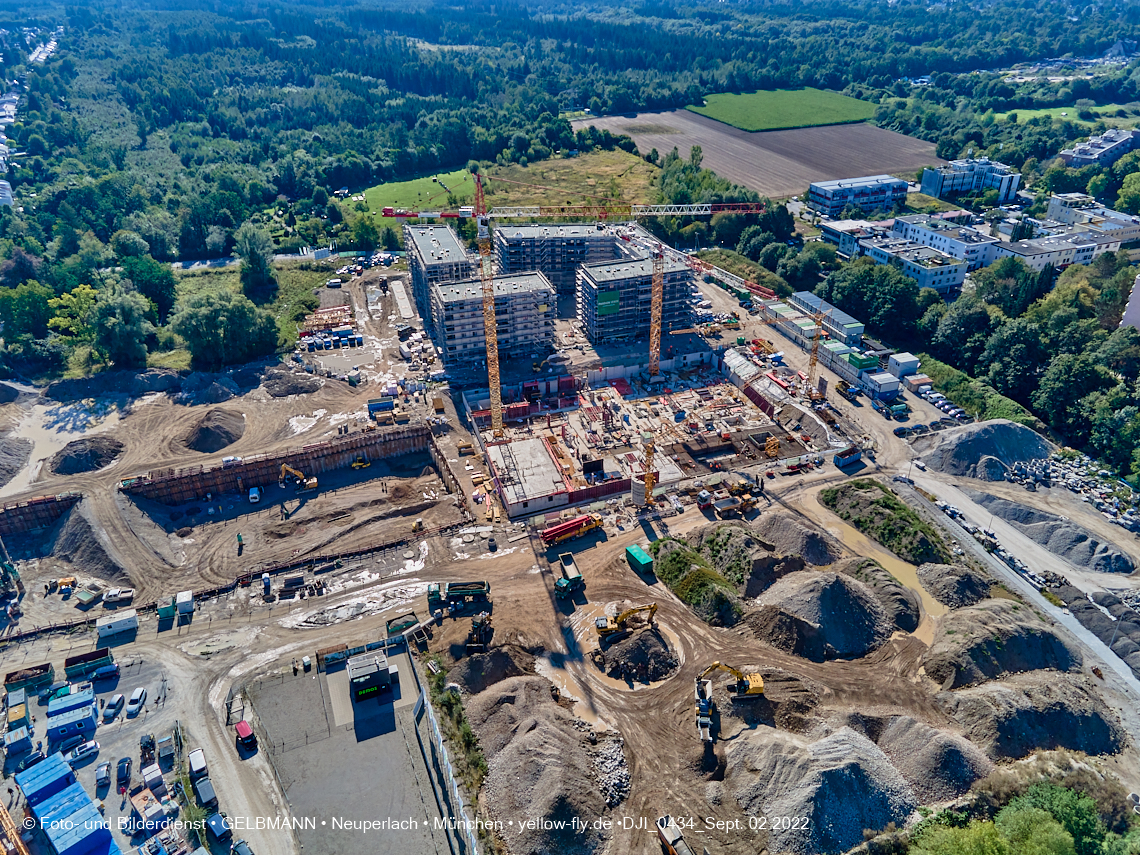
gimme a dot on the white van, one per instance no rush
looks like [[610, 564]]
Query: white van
[[197, 762], [254, 495]]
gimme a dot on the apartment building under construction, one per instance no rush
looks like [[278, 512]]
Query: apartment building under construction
[[614, 299], [435, 255], [558, 250]]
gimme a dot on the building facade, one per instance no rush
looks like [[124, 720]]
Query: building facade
[[1084, 212], [839, 325], [962, 242], [870, 193], [1056, 250], [971, 176], [435, 255], [555, 250], [1102, 150], [525, 310], [613, 299], [845, 235], [925, 265]]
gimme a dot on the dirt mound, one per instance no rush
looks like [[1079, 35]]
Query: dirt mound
[[792, 535], [872, 508], [86, 455], [199, 388], [786, 632], [281, 382], [76, 541], [1057, 534], [1119, 629], [954, 585], [963, 451], [215, 430], [542, 766], [477, 672], [115, 382], [732, 549], [849, 617], [767, 568], [1025, 712], [643, 656], [995, 637], [14, 454], [937, 765], [8, 394], [841, 784], [900, 602]]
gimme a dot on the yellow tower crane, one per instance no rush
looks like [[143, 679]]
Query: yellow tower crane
[[490, 322], [650, 478], [658, 299]]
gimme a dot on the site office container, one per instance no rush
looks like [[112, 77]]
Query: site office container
[[639, 559]]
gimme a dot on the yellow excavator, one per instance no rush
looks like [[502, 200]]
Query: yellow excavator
[[302, 482], [748, 686], [608, 626]]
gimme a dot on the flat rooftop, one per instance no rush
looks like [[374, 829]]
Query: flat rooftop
[[819, 305], [865, 181], [615, 271], [526, 469], [436, 243], [563, 230], [471, 289]]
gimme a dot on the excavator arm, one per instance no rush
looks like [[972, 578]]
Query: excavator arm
[[608, 625], [747, 685]]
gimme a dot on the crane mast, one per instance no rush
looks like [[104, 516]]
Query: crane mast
[[490, 322], [658, 298]]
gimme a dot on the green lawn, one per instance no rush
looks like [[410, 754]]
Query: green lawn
[[1105, 114], [785, 108], [422, 194]]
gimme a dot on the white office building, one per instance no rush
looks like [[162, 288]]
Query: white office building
[[925, 265], [962, 242], [970, 176], [1084, 212]]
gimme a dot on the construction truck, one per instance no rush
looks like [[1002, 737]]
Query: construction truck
[[418, 525], [454, 595], [571, 580], [299, 479], [608, 627], [571, 528], [705, 500], [672, 840], [748, 686], [705, 707], [727, 507], [480, 635], [846, 391]]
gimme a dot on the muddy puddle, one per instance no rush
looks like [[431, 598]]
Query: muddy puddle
[[568, 687]]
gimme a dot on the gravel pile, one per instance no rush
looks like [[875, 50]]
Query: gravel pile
[[215, 431], [849, 617], [1060, 536], [993, 638], [479, 671], [791, 535], [901, 604], [937, 765], [953, 585], [1119, 629], [8, 393], [76, 541], [115, 383], [14, 454], [842, 784], [86, 455], [788, 633], [965, 450], [281, 382], [201, 388], [1013, 718], [612, 770], [643, 656]]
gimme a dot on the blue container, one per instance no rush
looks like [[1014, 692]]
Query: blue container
[[45, 779], [80, 721], [67, 703]]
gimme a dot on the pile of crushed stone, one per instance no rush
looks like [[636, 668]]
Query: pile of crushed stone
[[14, 454], [901, 604], [850, 619], [1119, 628], [643, 656], [991, 639], [953, 585], [985, 450], [479, 671], [199, 388], [1057, 534], [938, 765], [281, 382], [75, 541], [792, 535], [86, 455], [216, 430], [841, 784], [1014, 717], [784, 631]]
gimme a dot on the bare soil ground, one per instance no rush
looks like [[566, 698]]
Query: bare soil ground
[[775, 163]]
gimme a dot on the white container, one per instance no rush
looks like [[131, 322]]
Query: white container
[[184, 602], [126, 621]]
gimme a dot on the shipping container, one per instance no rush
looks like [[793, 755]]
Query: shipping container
[[67, 703], [79, 666], [640, 560]]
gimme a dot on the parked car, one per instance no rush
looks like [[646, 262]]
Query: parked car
[[103, 775], [83, 752], [30, 761], [219, 827], [902, 479], [106, 672], [119, 595], [114, 707], [246, 738], [71, 742], [197, 764], [918, 464], [242, 848], [137, 702], [123, 773]]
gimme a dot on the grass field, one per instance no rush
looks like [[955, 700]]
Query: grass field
[[1106, 114], [422, 194], [920, 203], [785, 108]]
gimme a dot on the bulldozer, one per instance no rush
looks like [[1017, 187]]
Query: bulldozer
[[608, 627], [480, 635], [361, 463], [299, 479], [748, 686]]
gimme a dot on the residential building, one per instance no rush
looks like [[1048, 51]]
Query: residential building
[[613, 299], [926, 265], [435, 255], [962, 242], [1058, 250], [846, 234], [839, 325], [870, 193], [1102, 150], [971, 176], [1084, 212], [525, 310], [5, 193], [556, 250]]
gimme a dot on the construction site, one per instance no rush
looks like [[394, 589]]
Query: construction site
[[689, 586]]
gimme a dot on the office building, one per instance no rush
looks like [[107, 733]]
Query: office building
[[555, 250], [1057, 250], [1101, 150], [925, 265], [613, 299], [962, 242], [973, 175], [524, 309], [870, 193], [1084, 212], [839, 325], [435, 255], [845, 235]]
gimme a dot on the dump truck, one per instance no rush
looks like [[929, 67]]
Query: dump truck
[[571, 580], [748, 686], [400, 623], [669, 833], [848, 456], [608, 627], [727, 507], [571, 528], [705, 705], [451, 594]]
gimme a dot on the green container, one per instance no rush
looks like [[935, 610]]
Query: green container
[[639, 559], [740, 339]]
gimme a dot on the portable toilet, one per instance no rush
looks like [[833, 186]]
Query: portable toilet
[[185, 602]]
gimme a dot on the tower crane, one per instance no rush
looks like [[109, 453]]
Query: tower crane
[[490, 322]]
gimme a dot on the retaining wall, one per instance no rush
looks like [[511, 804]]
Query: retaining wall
[[33, 514]]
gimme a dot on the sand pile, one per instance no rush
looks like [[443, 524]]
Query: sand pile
[[1120, 628], [786, 632], [542, 766], [849, 617], [964, 451], [643, 656], [792, 535], [937, 765], [953, 585], [901, 604], [86, 455], [477, 672], [14, 454], [767, 568], [281, 382], [732, 549], [842, 784], [215, 430], [991, 639], [76, 541], [1057, 534], [1024, 712], [8, 393]]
